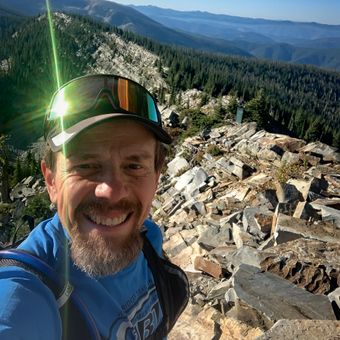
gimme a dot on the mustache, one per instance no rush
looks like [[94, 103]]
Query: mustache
[[104, 206]]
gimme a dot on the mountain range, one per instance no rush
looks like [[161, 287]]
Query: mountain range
[[303, 43], [296, 42]]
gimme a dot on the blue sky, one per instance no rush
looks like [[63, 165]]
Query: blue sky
[[323, 11]]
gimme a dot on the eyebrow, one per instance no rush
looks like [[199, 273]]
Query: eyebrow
[[144, 155], [80, 156]]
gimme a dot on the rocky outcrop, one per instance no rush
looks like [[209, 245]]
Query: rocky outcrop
[[257, 231]]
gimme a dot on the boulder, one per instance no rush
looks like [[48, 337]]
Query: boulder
[[288, 228], [310, 264], [176, 165], [263, 291], [302, 329]]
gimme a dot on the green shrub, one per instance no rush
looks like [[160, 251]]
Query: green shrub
[[214, 150], [287, 171], [38, 207]]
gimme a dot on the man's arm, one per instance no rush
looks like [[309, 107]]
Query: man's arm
[[28, 309]]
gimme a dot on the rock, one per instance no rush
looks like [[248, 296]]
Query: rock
[[288, 193], [174, 245], [236, 330], [211, 236], [327, 152], [218, 291], [186, 257], [251, 218], [328, 213], [288, 228], [262, 291], [240, 193], [21, 191], [306, 211], [242, 238], [290, 158], [235, 167], [196, 324], [310, 264], [258, 179], [334, 298], [176, 165], [28, 181], [266, 198], [190, 236], [185, 179], [212, 268], [305, 187], [246, 255], [303, 330]]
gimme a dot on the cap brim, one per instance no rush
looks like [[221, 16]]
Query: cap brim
[[56, 142]]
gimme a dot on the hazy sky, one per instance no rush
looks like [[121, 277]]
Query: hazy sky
[[323, 11]]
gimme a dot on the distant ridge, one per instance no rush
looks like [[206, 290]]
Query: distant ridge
[[296, 42]]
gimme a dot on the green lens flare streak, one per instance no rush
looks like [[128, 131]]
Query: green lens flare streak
[[53, 42], [57, 77], [54, 52]]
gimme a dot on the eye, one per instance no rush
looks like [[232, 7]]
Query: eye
[[135, 166], [85, 167]]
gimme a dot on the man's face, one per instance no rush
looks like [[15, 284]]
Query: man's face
[[103, 186]]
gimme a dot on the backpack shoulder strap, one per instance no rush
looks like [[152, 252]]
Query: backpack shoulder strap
[[172, 285], [70, 305]]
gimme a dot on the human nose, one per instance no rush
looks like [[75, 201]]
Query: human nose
[[112, 187]]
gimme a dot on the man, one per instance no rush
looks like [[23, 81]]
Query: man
[[105, 147]]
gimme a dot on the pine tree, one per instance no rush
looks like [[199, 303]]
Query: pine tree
[[257, 109], [4, 169]]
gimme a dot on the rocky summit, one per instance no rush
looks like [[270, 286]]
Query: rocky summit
[[254, 220]]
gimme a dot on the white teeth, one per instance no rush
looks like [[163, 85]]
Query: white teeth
[[109, 222]]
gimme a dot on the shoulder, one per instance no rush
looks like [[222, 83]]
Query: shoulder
[[154, 234], [28, 308], [47, 240]]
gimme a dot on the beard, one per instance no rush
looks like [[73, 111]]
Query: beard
[[100, 256]]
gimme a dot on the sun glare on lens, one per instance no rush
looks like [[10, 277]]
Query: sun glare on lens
[[60, 106]]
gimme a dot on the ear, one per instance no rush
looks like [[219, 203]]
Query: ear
[[49, 181]]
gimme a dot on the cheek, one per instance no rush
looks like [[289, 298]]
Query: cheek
[[72, 193], [146, 193]]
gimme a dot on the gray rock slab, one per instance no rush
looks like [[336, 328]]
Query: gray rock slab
[[177, 164], [310, 264], [245, 255], [306, 211], [334, 298], [276, 298], [314, 185], [250, 222], [211, 237], [328, 213], [303, 330], [288, 228], [242, 238], [327, 152], [290, 158], [184, 179]]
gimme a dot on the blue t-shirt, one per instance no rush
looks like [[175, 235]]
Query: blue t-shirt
[[124, 305]]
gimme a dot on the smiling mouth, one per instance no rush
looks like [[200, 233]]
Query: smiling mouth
[[106, 221]]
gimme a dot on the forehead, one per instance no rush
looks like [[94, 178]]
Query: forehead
[[122, 135]]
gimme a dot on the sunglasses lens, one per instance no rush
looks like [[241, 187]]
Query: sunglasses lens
[[84, 96]]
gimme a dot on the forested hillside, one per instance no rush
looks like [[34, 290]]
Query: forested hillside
[[302, 99]]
